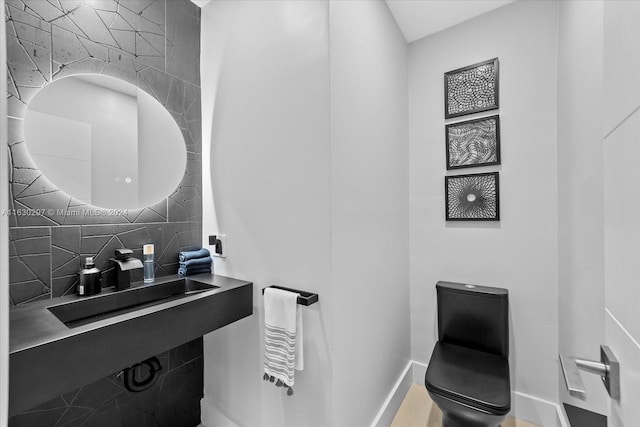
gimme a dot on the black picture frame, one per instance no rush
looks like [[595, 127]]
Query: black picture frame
[[473, 197], [473, 143], [472, 79]]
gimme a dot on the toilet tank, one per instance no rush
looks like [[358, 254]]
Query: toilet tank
[[473, 316]]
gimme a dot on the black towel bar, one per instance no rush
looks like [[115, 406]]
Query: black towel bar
[[305, 298]]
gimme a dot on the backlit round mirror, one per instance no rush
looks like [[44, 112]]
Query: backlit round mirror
[[105, 142]]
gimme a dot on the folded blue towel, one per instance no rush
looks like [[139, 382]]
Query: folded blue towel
[[191, 271], [196, 262], [195, 266], [187, 255]]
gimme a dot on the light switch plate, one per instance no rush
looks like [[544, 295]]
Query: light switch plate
[[220, 244]]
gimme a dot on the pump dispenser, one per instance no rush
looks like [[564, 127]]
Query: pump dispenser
[[90, 276]]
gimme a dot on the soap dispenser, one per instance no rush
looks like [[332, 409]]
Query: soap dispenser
[[89, 279]]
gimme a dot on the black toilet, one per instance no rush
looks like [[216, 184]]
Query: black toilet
[[468, 374]]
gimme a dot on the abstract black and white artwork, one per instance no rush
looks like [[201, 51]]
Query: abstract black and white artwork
[[473, 143], [471, 89], [472, 197]]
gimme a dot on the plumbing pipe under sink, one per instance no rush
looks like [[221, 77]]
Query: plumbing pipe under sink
[[129, 375]]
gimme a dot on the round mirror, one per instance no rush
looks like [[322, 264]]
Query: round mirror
[[105, 142]]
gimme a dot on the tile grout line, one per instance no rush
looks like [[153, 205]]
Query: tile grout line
[[50, 263]]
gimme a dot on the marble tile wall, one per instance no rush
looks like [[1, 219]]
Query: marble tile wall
[[154, 44], [174, 400]]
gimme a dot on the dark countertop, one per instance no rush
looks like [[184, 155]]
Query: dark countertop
[[48, 358]]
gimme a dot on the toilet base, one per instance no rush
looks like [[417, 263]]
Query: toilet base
[[456, 414], [450, 420]]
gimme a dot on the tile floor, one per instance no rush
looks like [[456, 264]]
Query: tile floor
[[417, 410]]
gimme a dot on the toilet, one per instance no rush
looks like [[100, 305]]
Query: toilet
[[468, 373]]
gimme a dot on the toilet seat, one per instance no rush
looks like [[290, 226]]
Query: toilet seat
[[474, 378]]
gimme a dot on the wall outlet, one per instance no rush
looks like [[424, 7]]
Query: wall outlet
[[219, 243]]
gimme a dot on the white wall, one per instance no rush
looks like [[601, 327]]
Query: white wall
[[309, 181], [369, 205], [265, 89], [580, 192], [521, 251], [621, 146], [4, 236]]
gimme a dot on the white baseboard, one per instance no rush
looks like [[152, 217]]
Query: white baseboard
[[394, 399], [561, 420], [537, 411], [211, 415], [524, 407], [419, 372]]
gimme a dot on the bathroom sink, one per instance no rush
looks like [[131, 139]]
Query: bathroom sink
[[112, 303], [73, 341]]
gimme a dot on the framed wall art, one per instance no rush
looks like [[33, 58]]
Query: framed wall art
[[472, 197], [471, 89], [473, 143]]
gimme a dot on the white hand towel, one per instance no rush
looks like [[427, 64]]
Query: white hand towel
[[282, 337]]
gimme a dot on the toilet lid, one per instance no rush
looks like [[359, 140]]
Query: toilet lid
[[471, 377]]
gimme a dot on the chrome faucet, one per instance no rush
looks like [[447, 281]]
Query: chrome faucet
[[125, 263]]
